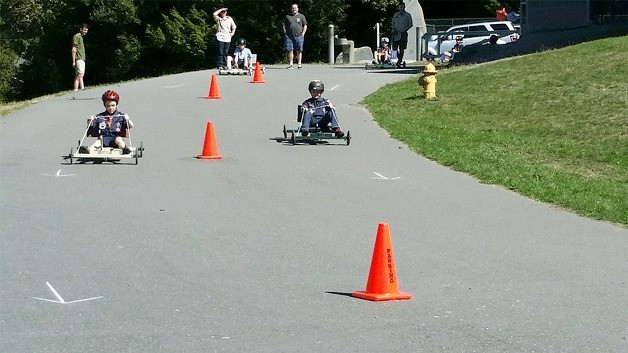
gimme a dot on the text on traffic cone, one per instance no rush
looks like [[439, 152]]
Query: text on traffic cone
[[382, 282], [210, 149], [257, 76], [213, 89]]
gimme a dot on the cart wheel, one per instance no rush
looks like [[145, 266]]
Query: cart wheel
[[293, 139], [285, 132], [348, 137], [263, 69], [72, 155], [403, 64], [141, 149]]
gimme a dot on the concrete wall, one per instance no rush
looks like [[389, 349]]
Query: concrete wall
[[546, 15], [414, 8]]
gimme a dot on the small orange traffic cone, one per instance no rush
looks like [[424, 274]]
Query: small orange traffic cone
[[257, 76], [382, 282], [213, 89], [210, 149]]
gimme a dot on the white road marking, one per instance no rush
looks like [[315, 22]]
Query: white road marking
[[381, 177], [175, 86], [60, 299], [333, 88], [59, 174]]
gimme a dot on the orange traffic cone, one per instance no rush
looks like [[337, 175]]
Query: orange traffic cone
[[257, 76], [382, 282], [213, 89], [210, 150]]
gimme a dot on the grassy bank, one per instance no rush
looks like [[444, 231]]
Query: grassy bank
[[552, 126]]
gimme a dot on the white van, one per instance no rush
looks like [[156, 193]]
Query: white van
[[448, 41]]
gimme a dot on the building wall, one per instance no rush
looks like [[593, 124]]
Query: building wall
[[545, 15]]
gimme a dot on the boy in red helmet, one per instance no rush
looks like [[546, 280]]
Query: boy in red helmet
[[110, 125]]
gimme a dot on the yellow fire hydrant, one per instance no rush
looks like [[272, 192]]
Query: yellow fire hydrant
[[428, 81]]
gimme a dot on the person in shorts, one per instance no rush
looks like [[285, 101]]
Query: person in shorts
[[110, 125], [382, 54], [78, 57], [294, 28], [401, 24], [241, 56]]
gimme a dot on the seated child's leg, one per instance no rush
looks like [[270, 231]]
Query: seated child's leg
[[96, 144], [119, 142], [305, 123], [323, 123], [334, 119], [229, 60]]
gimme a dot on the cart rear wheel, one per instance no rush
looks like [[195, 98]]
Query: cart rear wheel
[[348, 138], [285, 132], [293, 139], [72, 155]]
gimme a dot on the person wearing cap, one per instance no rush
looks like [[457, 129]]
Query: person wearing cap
[[226, 29], [241, 56], [449, 55], [428, 81], [458, 46], [382, 54], [110, 125]]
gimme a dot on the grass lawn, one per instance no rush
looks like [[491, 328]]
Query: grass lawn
[[552, 126]]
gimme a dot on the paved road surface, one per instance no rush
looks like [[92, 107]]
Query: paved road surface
[[256, 252]]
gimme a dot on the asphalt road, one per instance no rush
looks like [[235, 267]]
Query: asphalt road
[[258, 252]]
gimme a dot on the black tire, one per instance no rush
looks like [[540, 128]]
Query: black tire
[[348, 138], [72, 155], [293, 139], [285, 132]]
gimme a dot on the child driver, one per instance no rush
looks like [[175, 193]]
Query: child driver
[[319, 111], [110, 124]]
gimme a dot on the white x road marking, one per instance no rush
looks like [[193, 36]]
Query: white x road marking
[[60, 300]]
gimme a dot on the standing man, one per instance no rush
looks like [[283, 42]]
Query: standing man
[[78, 57], [401, 24], [294, 28], [226, 29]]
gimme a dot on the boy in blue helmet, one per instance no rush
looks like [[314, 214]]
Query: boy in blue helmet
[[319, 111]]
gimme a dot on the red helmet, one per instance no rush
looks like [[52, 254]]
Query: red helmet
[[111, 96]]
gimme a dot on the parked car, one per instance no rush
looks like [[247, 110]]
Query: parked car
[[449, 40]]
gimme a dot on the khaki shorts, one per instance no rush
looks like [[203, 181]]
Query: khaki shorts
[[80, 67]]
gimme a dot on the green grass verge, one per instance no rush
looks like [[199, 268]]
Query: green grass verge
[[552, 126]]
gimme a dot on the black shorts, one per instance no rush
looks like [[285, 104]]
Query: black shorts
[[402, 43]]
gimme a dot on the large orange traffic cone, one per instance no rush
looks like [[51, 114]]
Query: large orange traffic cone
[[213, 89], [257, 76], [210, 149], [382, 282]]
